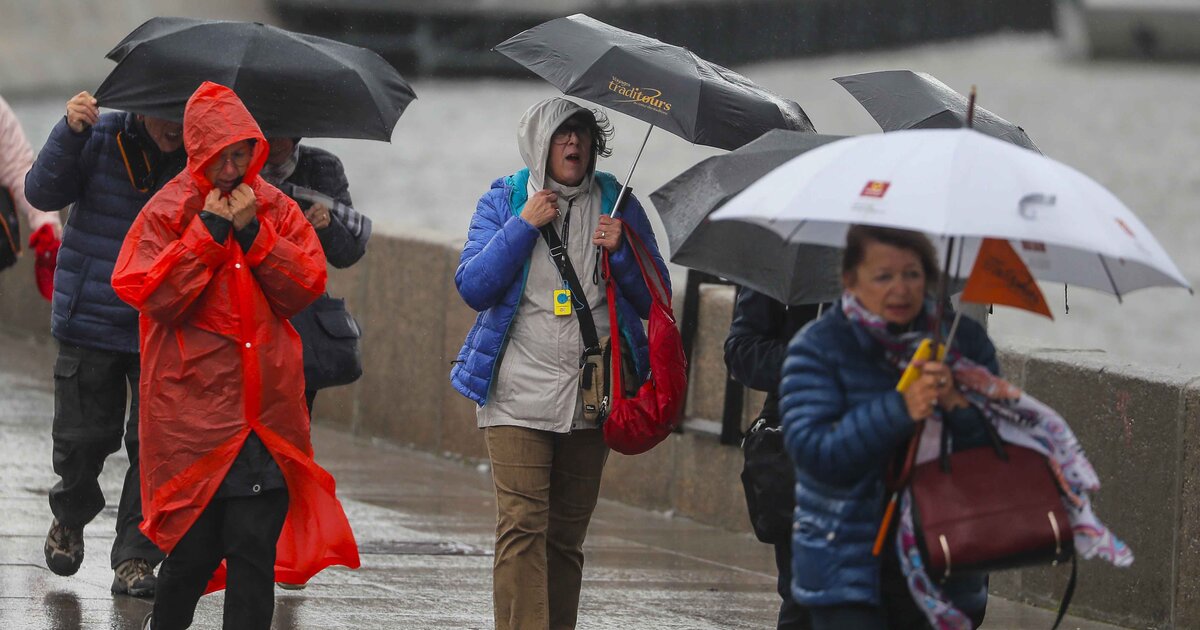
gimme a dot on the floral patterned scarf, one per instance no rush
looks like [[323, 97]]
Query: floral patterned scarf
[[1020, 419]]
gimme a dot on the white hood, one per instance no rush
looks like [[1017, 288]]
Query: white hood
[[534, 131]]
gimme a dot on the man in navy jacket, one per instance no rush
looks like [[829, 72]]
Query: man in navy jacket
[[754, 353], [107, 166]]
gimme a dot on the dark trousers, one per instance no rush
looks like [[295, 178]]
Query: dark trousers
[[91, 388], [243, 532], [792, 616]]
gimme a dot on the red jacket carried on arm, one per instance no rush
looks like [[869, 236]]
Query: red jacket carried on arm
[[219, 358]]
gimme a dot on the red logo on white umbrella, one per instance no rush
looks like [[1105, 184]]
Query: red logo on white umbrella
[[875, 189]]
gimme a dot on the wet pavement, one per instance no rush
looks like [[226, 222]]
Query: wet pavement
[[424, 526]]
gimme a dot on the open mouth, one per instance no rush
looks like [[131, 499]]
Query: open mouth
[[573, 158]]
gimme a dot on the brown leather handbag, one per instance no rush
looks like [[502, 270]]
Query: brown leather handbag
[[989, 508]]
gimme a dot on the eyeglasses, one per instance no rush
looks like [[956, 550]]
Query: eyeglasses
[[239, 159], [564, 131]]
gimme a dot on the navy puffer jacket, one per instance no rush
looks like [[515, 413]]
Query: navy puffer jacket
[[86, 169], [842, 423]]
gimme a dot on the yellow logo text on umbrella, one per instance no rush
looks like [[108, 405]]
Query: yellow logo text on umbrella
[[1001, 277]]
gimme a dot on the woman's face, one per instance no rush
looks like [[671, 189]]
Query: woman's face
[[889, 282], [570, 152]]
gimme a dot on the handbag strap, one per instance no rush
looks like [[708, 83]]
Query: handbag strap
[[1069, 593], [645, 261], [655, 284], [587, 325]]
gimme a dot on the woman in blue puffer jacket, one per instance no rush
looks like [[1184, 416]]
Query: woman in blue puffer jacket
[[521, 361], [844, 422]]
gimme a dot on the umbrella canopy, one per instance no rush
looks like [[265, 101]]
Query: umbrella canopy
[[962, 184], [294, 84], [664, 85], [903, 99], [746, 253]]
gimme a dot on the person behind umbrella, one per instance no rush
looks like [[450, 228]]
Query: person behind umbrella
[[298, 170], [520, 362], [216, 263], [108, 166], [844, 421], [754, 352]]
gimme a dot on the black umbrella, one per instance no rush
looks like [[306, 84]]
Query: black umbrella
[[740, 251], [294, 84], [903, 99], [664, 85]]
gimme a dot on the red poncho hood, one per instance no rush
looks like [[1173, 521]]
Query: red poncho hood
[[214, 119]]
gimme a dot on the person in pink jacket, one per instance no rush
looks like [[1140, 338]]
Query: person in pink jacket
[[45, 228], [15, 159]]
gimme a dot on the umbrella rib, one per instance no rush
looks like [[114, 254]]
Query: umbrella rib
[[795, 231], [1111, 282]]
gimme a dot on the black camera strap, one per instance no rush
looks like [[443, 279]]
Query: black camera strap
[[587, 325]]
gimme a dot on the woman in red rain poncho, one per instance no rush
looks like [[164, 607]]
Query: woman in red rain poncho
[[216, 263]]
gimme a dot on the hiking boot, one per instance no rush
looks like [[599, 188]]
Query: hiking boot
[[64, 548], [135, 578]]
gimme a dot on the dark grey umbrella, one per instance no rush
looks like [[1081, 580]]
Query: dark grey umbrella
[[903, 99], [293, 84], [740, 251], [664, 85]]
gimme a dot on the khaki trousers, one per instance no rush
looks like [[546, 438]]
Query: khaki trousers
[[547, 485]]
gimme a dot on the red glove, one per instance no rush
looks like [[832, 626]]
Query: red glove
[[45, 246]]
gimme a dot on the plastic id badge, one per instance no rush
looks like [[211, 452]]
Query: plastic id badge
[[562, 302]]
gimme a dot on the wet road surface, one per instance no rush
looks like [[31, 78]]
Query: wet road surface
[[424, 526]]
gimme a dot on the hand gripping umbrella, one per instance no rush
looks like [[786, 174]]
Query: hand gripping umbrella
[[294, 84], [664, 85], [903, 99], [749, 254]]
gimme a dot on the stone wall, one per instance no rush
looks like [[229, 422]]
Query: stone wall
[[1137, 425]]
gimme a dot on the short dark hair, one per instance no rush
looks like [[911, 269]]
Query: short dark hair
[[600, 128], [858, 236]]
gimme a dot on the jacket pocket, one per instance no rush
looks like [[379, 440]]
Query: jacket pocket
[[68, 408], [815, 556]]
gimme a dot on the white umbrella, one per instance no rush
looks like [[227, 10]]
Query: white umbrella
[[964, 185]]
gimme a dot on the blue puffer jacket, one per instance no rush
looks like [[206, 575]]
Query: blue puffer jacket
[[495, 262], [842, 422], [87, 169]]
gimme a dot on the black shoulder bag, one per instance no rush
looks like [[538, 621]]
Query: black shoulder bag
[[10, 230], [330, 336]]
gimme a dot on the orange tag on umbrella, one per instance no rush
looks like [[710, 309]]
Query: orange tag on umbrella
[[1001, 277]]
